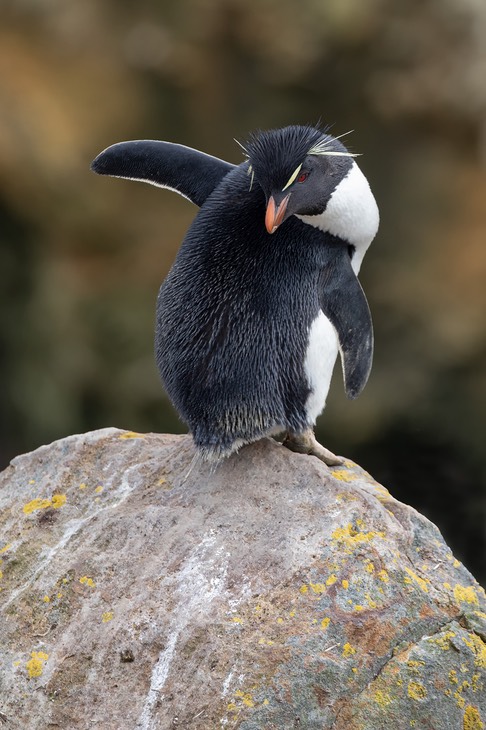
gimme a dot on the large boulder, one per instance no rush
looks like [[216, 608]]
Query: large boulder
[[141, 589]]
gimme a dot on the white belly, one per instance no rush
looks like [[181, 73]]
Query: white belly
[[322, 350]]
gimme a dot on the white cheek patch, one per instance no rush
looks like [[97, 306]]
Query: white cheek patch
[[351, 214]]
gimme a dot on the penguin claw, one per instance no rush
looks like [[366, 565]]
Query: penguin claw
[[306, 443]]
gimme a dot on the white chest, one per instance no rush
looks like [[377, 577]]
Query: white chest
[[322, 350]]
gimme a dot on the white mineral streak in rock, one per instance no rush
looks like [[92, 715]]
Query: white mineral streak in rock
[[200, 581]]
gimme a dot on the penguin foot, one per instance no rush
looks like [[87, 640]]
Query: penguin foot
[[306, 443]]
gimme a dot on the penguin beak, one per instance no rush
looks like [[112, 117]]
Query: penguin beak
[[275, 213]]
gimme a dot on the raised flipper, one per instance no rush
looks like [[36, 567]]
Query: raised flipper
[[343, 301], [191, 173]]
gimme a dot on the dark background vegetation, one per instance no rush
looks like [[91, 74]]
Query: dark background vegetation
[[81, 257]]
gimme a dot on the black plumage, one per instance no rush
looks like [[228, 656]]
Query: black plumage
[[235, 311]]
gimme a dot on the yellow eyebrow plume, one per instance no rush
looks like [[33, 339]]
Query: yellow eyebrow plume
[[292, 177]]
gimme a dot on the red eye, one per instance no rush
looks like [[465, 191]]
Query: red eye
[[303, 177]]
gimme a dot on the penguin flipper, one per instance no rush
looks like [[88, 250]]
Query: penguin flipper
[[343, 301], [186, 171]]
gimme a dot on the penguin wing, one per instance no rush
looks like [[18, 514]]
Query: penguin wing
[[343, 301], [191, 173]]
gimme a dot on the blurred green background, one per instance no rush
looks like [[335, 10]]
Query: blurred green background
[[82, 257]]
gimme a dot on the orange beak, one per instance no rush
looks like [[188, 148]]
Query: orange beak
[[275, 213]]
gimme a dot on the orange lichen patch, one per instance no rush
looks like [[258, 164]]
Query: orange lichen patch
[[348, 650], [478, 648], [131, 435], [472, 719], [416, 691], [107, 616], [350, 537], [465, 594], [35, 665], [57, 500], [87, 581], [412, 577]]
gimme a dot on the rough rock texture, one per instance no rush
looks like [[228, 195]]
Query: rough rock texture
[[272, 593]]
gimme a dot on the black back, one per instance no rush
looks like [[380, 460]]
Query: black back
[[234, 313]]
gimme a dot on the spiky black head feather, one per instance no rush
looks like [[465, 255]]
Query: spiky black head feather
[[275, 154]]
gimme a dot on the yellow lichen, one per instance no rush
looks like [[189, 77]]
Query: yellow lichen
[[231, 707], [99, 489], [383, 576], [331, 580], [317, 587], [303, 589], [382, 698], [83, 485], [348, 650], [370, 568], [36, 504], [350, 537], [36, 663], [237, 619], [57, 500], [443, 641], [131, 435], [465, 594], [447, 586], [413, 577], [478, 648], [453, 677], [460, 701], [414, 666], [4, 549], [291, 614], [87, 581], [345, 583], [358, 607], [46, 599], [472, 719], [107, 616], [245, 697], [416, 691], [280, 620], [325, 622], [343, 475]]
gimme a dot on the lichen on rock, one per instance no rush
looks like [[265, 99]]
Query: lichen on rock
[[269, 593]]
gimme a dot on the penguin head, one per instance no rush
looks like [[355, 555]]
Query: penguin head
[[298, 169]]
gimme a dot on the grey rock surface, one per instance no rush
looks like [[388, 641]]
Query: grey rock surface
[[138, 592]]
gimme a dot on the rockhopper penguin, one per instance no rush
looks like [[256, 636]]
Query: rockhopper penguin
[[263, 293]]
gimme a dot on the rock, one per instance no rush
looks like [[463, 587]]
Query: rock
[[138, 592]]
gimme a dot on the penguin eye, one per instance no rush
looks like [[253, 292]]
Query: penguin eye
[[302, 177]]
